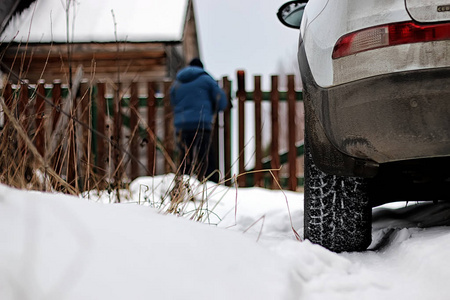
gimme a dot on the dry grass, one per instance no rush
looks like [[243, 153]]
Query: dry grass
[[65, 162]]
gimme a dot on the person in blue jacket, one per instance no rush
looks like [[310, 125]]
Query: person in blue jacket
[[196, 99]]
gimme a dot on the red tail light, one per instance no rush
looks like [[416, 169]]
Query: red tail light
[[389, 35]]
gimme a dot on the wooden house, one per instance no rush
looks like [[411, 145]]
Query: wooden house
[[109, 40]]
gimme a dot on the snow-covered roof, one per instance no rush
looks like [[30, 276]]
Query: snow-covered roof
[[92, 21]]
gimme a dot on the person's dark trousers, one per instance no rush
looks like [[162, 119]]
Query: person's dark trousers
[[196, 155]]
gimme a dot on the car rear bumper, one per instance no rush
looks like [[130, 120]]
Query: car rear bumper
[[393, 117]]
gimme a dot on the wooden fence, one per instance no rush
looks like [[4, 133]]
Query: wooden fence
[[293, 128], [91, 139]]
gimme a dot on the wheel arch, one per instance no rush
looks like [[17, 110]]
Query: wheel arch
[[325, 155]]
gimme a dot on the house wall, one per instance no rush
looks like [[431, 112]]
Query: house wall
[[132, 61], [124, 61]]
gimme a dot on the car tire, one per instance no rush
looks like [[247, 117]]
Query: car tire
[[337, 212]]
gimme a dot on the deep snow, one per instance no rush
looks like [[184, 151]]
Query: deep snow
[[55, 246]]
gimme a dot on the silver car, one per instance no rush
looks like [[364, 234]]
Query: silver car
[[376, 78]]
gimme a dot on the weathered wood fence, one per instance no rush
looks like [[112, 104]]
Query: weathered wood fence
[[105, 134], [291, 133]]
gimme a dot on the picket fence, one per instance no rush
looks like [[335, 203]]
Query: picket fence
[[108, 132]]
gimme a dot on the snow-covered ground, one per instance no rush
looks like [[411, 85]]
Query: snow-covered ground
[[60, 247]]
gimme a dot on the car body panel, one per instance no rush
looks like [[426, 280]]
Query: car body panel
[[336, 19], [313, 12], [428, 11], [378, 106]]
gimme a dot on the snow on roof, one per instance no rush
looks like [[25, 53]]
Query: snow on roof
[[92, 21]]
